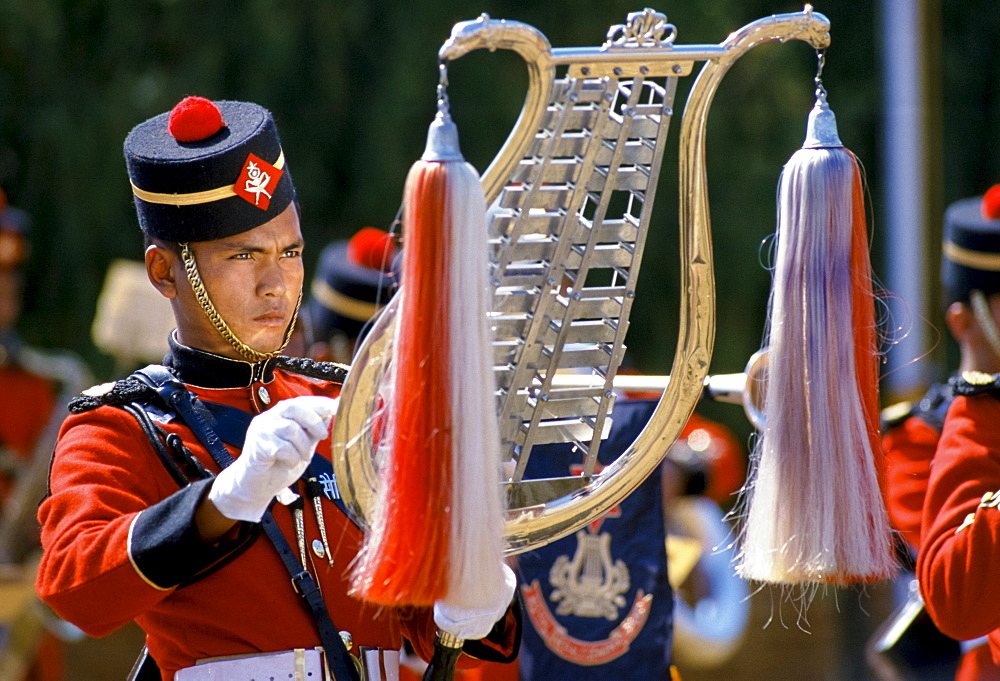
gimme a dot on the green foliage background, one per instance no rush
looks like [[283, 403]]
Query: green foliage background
[[351, 83]]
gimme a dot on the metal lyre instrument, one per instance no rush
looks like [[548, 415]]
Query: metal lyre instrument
[[571, 193]]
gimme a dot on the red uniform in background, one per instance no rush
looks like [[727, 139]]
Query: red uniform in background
[[909, 440], [960, 551], [26, 403], [27, 400], [727, 467], [957, 556]]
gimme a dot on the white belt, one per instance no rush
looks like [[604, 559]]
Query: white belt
[[298, 665]]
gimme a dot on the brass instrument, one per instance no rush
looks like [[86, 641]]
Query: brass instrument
[[746, 389], [571, 193]]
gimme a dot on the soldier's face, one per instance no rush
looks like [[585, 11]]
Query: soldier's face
[[253, 279]]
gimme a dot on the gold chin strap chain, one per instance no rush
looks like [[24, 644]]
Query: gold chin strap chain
[[245, 351], [981, 310]]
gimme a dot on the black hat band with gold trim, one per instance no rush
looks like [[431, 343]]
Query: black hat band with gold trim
[[195, 198], [344, 305], [978, 260]]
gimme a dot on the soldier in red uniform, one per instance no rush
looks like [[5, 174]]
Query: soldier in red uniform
[[163, 483], [912, 431], [27, 400], [960, 526]]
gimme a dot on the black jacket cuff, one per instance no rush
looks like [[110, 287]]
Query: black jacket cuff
[[504, 640], [166, 549]]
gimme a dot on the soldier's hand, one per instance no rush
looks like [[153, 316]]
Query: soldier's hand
[[475, 623], [280, 443]]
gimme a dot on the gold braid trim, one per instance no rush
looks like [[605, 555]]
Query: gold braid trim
[[198, 286]]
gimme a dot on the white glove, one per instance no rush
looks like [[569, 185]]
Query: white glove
[[279, 446], [474, 624]]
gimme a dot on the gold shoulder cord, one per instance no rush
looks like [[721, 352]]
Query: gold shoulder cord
[[245, 351]]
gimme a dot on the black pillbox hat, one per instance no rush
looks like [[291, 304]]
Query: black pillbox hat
[[971, 254], [230, 182]]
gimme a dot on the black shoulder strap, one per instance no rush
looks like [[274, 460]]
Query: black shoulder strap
[[151, 433], [934, 405], [970, 383], [198, 419]]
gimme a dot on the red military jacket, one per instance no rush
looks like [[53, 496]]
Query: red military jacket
[[959, 558], [120, 542]]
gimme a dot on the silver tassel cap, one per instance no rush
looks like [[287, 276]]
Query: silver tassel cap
[[821, 130], [442, 140]]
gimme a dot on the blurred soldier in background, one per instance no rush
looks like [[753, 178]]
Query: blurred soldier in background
[[702, 473], [971, 281], [36, 387], [27, 398], [354, 280], [959, 551]]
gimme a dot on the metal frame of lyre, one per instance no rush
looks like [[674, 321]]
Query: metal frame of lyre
[[571, 194]]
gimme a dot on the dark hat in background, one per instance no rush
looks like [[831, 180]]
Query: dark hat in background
[[14, 226], [207, 170], [971, 252], [354, 280]]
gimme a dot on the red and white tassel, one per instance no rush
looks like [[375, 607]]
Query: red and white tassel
[[816, 510], [438, 527]]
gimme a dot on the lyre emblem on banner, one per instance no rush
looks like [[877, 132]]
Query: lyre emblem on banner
[[590, 585]]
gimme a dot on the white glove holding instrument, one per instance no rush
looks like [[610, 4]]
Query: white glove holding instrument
[[279, 446], [474, 624]]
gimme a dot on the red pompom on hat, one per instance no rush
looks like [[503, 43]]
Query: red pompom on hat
[[371, 248], [991, 203], [194, 119]]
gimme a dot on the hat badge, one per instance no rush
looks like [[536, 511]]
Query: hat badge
[[256, 181]]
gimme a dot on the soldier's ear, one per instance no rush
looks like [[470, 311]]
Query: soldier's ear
[[160, 269], [960, 320]]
